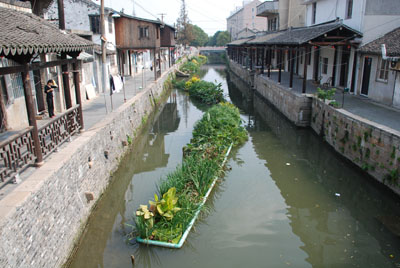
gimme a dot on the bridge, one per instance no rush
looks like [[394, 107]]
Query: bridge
[[212, 49]]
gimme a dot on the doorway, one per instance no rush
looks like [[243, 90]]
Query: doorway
[[366, 76], [344, 68]]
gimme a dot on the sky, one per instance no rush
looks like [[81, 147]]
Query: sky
[[210, 15]]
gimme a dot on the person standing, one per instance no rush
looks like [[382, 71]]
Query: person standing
[[49, 89]]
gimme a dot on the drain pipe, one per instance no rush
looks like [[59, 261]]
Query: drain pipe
[[395, 59], [385, 57]]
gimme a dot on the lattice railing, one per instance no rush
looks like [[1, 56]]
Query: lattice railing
[[59, 130], [16, 153]]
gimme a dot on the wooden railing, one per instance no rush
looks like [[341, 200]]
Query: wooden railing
[[57, 131], [17, 152]]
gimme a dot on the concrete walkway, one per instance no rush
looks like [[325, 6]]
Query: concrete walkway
[[357, 105], [94, 110]]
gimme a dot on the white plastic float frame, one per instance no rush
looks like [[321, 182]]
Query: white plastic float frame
[[186, 233]]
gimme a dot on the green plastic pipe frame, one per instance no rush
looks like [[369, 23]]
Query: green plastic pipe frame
[[186, 233]]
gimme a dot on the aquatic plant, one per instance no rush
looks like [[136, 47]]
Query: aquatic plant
[[184, 189], [179, 84], [193, 64], [206, 92], [166, 207]]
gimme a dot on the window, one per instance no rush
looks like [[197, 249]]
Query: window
[[4, 89], [314, 13], [272, 24], [324, 65], [95, 24], [158, 33], [143, 32], [349, 9], [12, 84], [383, 70], [110, 24]]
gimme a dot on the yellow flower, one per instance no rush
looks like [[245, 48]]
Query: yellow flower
[[188, 84], [195, 79]]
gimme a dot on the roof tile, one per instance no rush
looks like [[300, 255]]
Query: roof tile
[[22, 32]]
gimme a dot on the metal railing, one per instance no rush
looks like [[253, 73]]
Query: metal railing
[[269, 7]]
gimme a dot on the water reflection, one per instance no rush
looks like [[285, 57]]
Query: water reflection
[[167, 121], [337, 212], [148, 153]]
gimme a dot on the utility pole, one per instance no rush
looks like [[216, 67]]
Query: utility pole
[[162, 16], [103, 51], [133, 8], [64, 67]]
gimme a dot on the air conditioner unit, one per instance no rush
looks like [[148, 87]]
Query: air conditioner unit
[[395, 65]]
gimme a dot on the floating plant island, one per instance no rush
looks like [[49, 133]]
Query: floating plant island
[[168, 219]]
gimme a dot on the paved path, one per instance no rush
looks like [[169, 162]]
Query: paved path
[[358, 105], [94, 110]]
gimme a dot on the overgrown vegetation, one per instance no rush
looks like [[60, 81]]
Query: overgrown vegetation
[[203, 91], [193, 64], [206, 92], [326, 94], [182, 191]]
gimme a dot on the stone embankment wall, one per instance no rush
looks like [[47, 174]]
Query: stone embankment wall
[[246, 75], [42, 218], [373, 147], [296, 107]]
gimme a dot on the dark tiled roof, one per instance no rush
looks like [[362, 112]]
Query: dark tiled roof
[[263, 39], [23, 33], [391, 40], [240, 42], [298, 36], [139, 19]]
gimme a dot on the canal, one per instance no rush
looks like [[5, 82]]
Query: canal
[[288, 200]]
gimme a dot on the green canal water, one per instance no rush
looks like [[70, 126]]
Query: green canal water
[[287, 201]]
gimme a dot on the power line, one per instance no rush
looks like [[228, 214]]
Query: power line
[[145, 10]]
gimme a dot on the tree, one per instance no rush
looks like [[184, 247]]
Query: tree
[[184, 28], [220, 38], [213, 40], [223, 38], [200, 38]]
